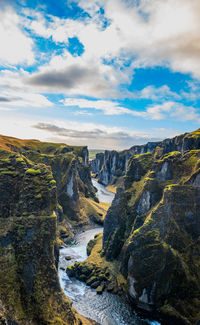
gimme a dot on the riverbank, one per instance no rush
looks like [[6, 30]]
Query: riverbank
[[107, 308]]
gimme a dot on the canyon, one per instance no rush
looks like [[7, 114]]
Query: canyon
[[149, 252]]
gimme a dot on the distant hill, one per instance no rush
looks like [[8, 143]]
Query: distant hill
[[93, 152]]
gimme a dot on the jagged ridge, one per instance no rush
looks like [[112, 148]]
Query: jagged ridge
[[110, 165]]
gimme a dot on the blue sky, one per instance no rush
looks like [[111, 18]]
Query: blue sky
[[108, 73]]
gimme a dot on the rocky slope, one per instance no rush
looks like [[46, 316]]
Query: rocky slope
[[40, 185], [111, 165], [151, 239], [70, 169], [153, 230], [29, 288]]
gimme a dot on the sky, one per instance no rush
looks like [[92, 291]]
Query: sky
[[104, 73]]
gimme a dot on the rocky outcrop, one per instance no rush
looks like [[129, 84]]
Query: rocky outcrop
[[97, 163], [29, 288], [43, 186], [96, 272], [153, 230], [109, 165], [71, 173], [112, 164]]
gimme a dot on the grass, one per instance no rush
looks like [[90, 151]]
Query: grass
[[194, 134], [93, 152], [96, 259], [101, 207], [112, 188], [50, 148]]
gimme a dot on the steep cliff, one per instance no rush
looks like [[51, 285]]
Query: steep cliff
[[153, 230], [112, 164], [29, 288], [70, 169]]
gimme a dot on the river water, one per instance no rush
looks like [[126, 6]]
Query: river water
[[105, 309], [103, 194]]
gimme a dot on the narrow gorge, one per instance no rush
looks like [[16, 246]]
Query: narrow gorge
[[142, 266]]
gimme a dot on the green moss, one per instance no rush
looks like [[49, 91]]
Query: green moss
[[195, 134], [33, 172], [8, 172], [20, 160], [53, 182], [39, 196], [171, 155]]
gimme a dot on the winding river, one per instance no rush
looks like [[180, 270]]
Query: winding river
[[105, 309]]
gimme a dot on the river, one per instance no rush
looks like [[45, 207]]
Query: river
[[103, 194], [105, 309]]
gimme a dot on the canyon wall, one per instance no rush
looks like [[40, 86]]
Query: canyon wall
[[153, 230], [42, 186], [109, 166]]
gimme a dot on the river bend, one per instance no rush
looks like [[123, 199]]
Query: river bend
[[105, 309]]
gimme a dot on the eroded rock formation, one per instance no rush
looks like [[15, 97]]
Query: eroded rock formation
[[110, 165], [153, 230], [34, 177]]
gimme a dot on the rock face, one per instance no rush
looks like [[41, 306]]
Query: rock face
[[112, 164], [153, 230], [71, 173], [29, 288], [40, 185]]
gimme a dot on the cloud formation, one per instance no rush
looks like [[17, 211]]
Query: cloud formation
[[96, 137], [5, 99], [168, 109], [75, 77], [108, 107], [13, 98], [149, 33], [39, 69], [16, 45]]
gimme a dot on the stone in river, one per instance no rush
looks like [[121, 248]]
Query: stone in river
[[68, 258]]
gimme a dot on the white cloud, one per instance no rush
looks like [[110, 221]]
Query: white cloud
[[173, 110], [74, 133], [82, 113], [169, 34], [14, 99], [96, 136], [108, 107], [5, 108], [75, 75], [153, 93], [16, 46], [162, 111], [145, 33], [166, 33]]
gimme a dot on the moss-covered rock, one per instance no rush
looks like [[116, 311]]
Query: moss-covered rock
[[97, 272], [153, 228], [30, 292], [68, 172], [112, 165]]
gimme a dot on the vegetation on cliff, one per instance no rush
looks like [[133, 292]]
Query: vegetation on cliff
[[151, 239], [71, 177], [153, 229], [110, 167], [33, 178]]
